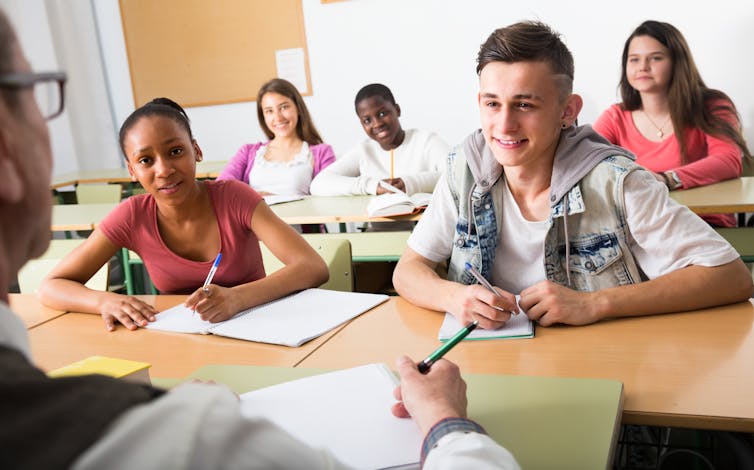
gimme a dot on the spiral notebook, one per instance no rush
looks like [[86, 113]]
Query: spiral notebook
[[519, 326], [290, 321]]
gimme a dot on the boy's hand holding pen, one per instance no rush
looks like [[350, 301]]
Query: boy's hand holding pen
[[487, 321]]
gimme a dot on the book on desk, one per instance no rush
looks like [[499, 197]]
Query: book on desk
[[389, 204], [290, 321]]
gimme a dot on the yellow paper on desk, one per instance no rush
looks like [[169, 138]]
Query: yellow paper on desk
[[131, 371]]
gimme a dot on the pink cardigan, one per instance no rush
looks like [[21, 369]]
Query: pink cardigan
[[240, 166]]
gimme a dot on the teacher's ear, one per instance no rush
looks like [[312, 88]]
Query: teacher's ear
[[12, 187]]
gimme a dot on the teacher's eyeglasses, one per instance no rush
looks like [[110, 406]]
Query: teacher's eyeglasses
[[48, 89]]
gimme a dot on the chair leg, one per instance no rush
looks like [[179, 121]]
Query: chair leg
[[127, 273]]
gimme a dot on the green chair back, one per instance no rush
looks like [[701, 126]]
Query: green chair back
[[31, 275], [337, 256], [98, 193]]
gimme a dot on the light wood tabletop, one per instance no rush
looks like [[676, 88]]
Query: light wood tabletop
[[331, 209], [690, 369], [79, 216], [732, 196], [210, 168], [31, 310], [204, 169], [105, 175], [75, 336]]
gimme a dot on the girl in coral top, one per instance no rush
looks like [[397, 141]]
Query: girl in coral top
[[178, 228], [686, 133]]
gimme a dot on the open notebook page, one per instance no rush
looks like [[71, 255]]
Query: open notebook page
[[290, 321], [346, 412], [519, 326]]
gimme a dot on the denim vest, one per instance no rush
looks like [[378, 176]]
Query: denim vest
[[586, 245]]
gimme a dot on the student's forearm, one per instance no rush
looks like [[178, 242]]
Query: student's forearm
[[290, 278], [65, 294], [423, 182], [690, 288], [421, 285]]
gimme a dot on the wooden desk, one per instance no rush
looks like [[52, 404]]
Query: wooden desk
[[577, 418], [331, 209], [210, 169], [204, 169], [31, 310], [686, 370], [79, 216], [732, 196], [106, 175], [74, 336]]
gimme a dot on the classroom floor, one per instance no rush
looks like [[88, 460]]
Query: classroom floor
[[661, 448]]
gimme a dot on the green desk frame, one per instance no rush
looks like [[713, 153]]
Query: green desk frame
[[546, 422]]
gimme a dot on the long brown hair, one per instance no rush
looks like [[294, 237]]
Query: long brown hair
[[688, 96], [305, 127]]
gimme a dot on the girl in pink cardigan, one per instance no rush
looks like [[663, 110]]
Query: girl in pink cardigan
[[686, 133], [295, 153]]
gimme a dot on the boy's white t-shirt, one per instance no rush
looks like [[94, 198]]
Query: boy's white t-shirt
[[664, 235], [419, 160], [519, 255]]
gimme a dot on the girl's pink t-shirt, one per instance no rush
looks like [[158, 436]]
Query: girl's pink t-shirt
[[133, 225], [710, 159]]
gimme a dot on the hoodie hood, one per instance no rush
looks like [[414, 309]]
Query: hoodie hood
[[579, 150]]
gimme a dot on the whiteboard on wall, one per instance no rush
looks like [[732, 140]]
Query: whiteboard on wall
[[200, 53]]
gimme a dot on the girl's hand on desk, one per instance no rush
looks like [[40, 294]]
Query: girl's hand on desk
[[548, 303], [476, 303], [129, 311], [213, 303]]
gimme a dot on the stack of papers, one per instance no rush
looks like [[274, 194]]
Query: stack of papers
[[271, 199], [346, 412]]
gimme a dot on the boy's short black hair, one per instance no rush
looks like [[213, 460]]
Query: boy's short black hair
[[374, 89], [528, 41]]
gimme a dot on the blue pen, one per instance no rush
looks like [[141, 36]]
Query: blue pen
[[212, 272], [485, 283], [210, 275]]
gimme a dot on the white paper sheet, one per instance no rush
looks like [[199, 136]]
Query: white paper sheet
[[347, 412]]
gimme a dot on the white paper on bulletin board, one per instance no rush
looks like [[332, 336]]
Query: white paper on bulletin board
[[292, 67]]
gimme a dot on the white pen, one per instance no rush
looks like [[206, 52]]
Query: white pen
[[486, 284], [211, 274]]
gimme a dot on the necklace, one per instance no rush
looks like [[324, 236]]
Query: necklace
[[660, 133]]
